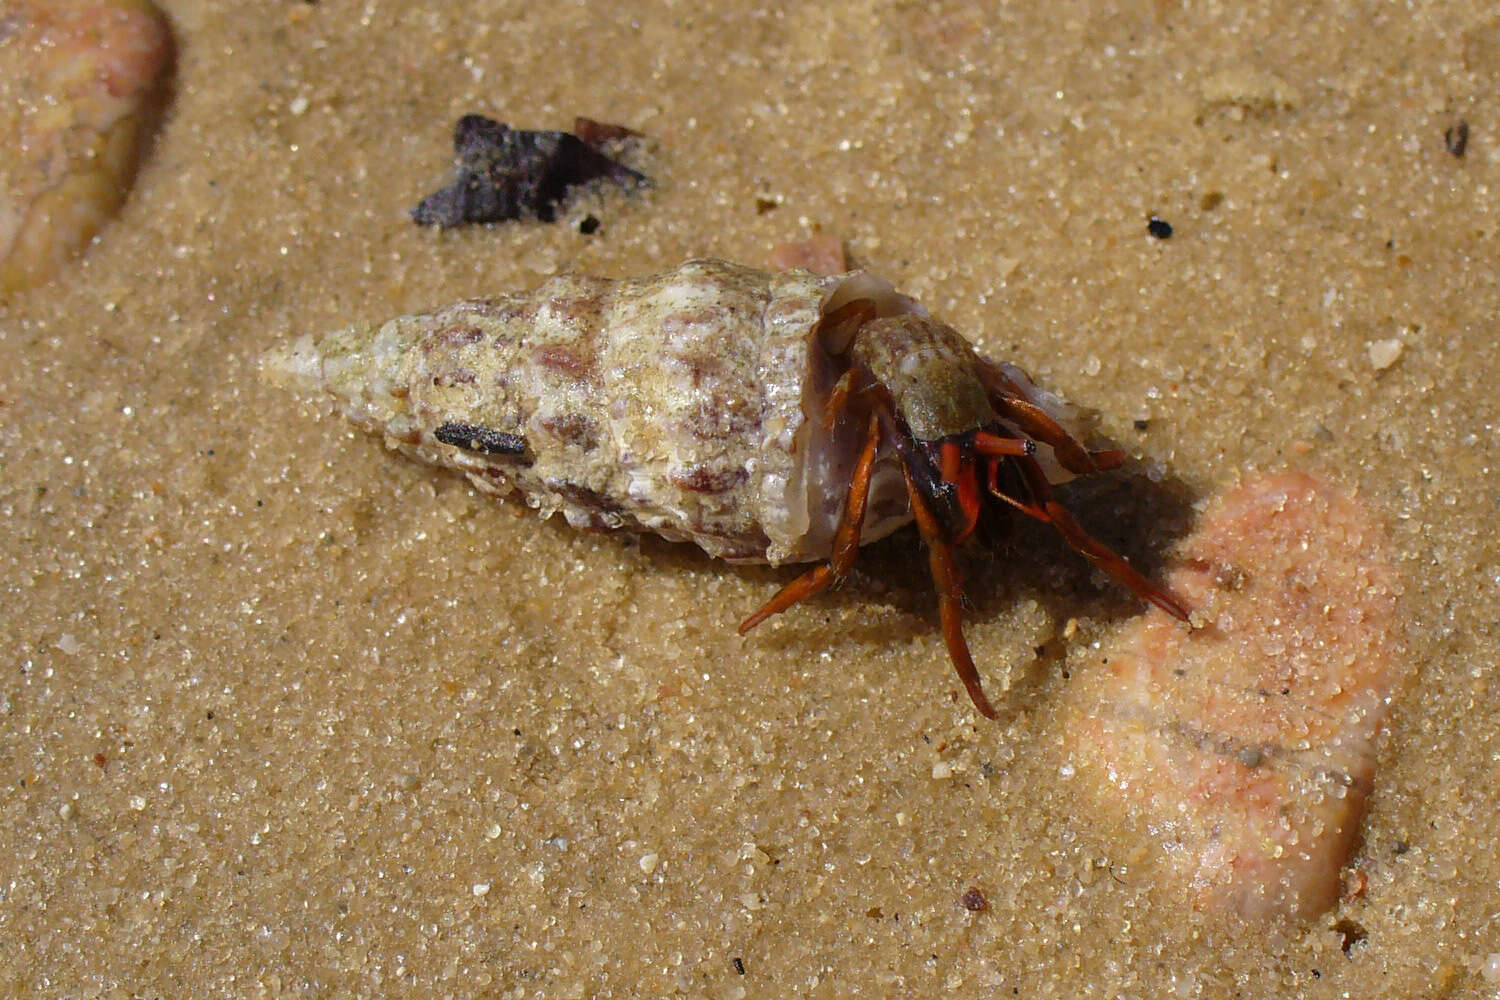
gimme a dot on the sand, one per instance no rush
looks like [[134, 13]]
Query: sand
[[287, 715]]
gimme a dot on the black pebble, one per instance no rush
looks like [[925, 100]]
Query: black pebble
[[1456, 138]]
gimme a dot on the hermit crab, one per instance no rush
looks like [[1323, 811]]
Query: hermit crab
[[776, 417]]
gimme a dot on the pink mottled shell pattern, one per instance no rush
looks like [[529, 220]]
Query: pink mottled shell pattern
[[687, 403]]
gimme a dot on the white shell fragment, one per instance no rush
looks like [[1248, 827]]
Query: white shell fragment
[[1384, 353]]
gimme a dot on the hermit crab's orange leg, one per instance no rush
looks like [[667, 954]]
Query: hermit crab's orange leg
[[1045, 508], [992, 485], [1011, 404], [836, 332], [1035, 423], [1106, 459], [845, 541], [996, 446], [838, 398], [950, 596]]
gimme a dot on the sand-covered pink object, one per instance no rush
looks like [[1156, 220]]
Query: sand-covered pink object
[[1247, 746], [80, 82]]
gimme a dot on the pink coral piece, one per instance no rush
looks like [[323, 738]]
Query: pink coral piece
[[1248, 745]]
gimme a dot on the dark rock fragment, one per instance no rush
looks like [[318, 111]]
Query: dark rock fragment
[[503, 173]]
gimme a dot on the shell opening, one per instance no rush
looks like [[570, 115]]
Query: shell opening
[[864, 285]]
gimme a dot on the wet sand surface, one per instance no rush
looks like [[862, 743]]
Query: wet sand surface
[[285, 714]]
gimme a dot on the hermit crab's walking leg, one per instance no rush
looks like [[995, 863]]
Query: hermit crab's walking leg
[[1044, 507], [1036, 423], [845, 541], [836, 332], [837, 329], [950, 595]]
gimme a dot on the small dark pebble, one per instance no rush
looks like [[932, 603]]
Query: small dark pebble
[[1352, 933], [974, 901], [472, 437], [1141, 425], [589, 226], [501, 173], [1456, 138], [1160, 228], [739, 965]]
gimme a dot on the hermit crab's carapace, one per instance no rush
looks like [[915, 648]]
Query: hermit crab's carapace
[[767, 417]]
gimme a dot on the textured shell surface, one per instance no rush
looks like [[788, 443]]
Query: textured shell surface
[[687, 403]]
